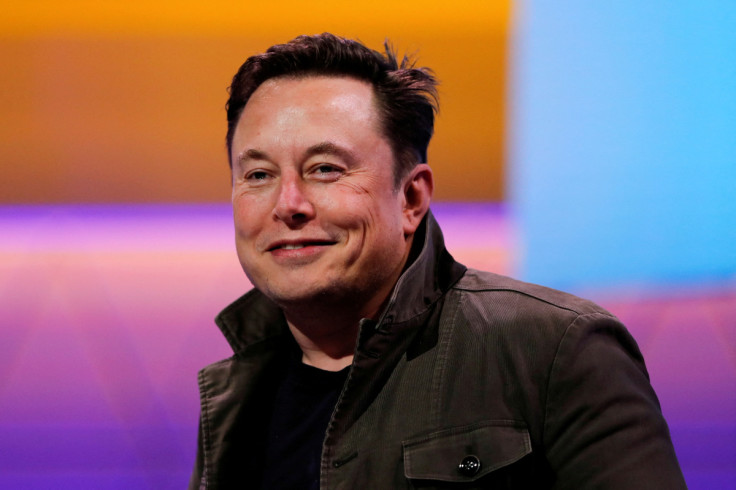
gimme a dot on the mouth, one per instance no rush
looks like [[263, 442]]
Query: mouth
[[297, 245]]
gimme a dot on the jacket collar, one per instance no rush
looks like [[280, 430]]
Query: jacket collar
[[254, 320], [426, 280]]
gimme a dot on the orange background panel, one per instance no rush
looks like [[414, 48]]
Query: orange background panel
[[124, 101]]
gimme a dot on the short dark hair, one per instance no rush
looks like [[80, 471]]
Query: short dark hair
[[406, 96]]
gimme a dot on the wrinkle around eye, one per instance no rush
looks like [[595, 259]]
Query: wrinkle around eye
[[257, 177], [356, 186], [327, 172]]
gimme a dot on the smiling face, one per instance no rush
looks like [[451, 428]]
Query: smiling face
[[317, 215]]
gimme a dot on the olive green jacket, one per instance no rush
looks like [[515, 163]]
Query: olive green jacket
[[467, 380]]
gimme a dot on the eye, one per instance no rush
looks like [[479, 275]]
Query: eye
[[326, 171], [257, 176]]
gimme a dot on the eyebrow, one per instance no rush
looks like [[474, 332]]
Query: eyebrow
[[323, 148], [328, 148], [252, 154]]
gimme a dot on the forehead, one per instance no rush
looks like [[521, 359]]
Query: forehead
[[314, 93], [283, 110], [315, 82]]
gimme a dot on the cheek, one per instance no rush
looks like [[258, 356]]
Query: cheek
[[250, 212], [340, 206], [354, 202], [246, 236], [240, 219]]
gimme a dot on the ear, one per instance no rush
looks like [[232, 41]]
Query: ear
[[417, 189]]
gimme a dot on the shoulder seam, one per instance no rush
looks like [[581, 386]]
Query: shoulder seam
[[529, 295]]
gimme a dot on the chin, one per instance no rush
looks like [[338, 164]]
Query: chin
[[291, 291], [299, 299]]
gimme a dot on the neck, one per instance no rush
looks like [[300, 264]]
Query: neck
[[328, 344], [327, 331]]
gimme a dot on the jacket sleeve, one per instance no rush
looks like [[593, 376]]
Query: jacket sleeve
[[603, 426], [195, 482]]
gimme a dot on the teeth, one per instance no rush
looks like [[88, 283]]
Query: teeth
[[292, 247]]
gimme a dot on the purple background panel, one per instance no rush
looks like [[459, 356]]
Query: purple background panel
[[107, 315]]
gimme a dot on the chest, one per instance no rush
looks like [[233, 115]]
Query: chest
[[449, 414]]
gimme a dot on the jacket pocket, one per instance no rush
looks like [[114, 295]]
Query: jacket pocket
[[465, 454]]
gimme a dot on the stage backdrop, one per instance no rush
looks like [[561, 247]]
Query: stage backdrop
[[124, 101], [620, 173], [623, 142]]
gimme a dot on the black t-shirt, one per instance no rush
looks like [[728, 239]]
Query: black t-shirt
[[304, 402]]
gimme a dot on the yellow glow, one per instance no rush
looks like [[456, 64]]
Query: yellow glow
[[252, 18], [130, 94]]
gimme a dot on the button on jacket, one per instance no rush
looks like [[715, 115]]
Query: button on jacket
[[467, 380]]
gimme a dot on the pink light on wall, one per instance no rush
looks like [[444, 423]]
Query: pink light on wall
[[107, 314]]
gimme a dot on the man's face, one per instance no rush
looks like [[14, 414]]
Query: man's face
[[317, 217]]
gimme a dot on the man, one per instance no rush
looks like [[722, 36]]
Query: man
[[366, 357]]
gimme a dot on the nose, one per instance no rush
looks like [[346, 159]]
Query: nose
[[293, 206]]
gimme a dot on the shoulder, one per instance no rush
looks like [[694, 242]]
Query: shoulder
[[484, 303], [490, 286]]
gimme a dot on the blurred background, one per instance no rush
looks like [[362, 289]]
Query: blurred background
[[588, 147]]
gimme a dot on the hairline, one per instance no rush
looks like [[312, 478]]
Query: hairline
[[375, 103]]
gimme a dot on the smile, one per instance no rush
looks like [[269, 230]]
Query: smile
[[291, 247], [299, 245]]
